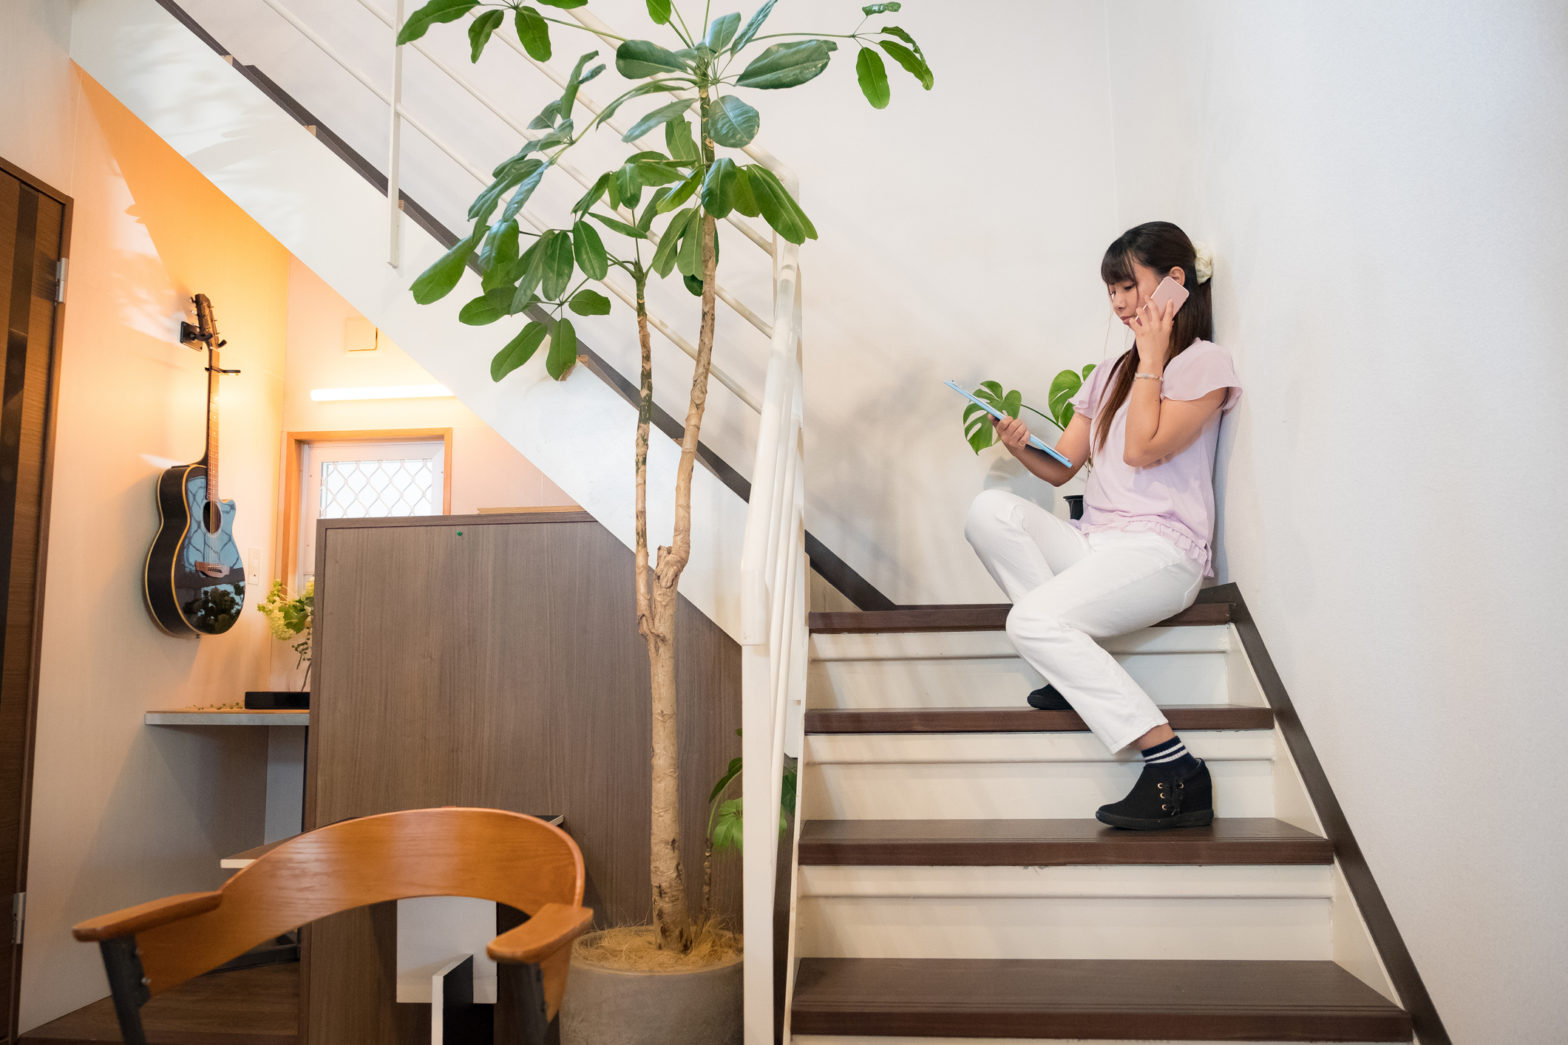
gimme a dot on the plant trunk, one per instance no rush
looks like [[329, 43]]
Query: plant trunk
[[656, 615]]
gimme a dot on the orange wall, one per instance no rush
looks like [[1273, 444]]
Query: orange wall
[[122, 812]]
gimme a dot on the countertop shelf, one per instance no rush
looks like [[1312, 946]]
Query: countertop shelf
[[236, 717]]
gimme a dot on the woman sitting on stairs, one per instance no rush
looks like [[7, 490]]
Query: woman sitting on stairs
[[1149, 421]]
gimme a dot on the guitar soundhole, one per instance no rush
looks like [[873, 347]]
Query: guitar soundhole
[[211, 517]]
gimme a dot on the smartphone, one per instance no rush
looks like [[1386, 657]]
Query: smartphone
[[1168, 290]]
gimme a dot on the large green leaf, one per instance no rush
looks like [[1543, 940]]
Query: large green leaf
[[663, 114], [437, 281], [636, 59], [754, 24], [559, 264], [659, 11], [654, 87], [681, 193], [658, 172], [912, 63], [678, 140], [589, 248], [616, 225], [485, 203], [688, 257], [515, 160], [745, 199], [872, 75], [1063, 388], [729, 826], [525, 189], [576, 80], [663, 261], [569, 4], [480, 311], [592, 196], [721, 31], [563, 349], [497, 254], [590, 303], [778, 208], [787, 64], [718, 187], [418, 23], [732, 122], [518, 350], [529, 270], [480, 30], [534, 32]]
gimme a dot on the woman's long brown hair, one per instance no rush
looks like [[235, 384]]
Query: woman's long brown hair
[[1161, 246]]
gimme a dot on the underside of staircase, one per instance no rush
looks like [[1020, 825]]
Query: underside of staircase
[[951, 884]]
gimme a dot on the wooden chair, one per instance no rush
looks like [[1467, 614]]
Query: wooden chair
[[488, 854]]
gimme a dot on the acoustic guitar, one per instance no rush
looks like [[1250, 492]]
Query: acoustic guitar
[[195, 581]]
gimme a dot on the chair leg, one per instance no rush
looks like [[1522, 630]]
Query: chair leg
[[127, 986], [520, 1011]]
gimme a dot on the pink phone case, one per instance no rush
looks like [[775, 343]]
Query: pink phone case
[[1169, 290]]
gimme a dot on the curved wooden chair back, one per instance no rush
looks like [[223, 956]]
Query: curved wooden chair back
[[487, 854]]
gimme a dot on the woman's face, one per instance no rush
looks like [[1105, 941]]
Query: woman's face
[[1129, 296]]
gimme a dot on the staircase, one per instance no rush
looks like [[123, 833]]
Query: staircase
[[949, 881], [952, 884]]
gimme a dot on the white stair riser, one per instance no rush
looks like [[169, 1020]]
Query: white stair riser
[[1076, 927], [1212, 745], [1040, 790], [932, 645], [857, 1039], [1073, 881], [1169, 678]]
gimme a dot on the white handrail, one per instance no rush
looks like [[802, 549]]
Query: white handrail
[[773, 632]]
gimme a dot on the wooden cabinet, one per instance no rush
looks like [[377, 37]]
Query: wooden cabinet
[[494, 661]]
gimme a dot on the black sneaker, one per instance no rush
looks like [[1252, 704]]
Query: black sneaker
[[1046, 698], [1158, 801]]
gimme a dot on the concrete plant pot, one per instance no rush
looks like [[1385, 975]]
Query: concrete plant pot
[[605, 1006]]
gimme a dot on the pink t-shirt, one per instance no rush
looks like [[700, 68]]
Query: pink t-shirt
[[1174, 498]]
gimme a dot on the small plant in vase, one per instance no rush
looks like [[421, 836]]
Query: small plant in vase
[[290, 618], [1059, 411]]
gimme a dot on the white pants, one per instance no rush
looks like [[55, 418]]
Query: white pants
[[1069, 589]]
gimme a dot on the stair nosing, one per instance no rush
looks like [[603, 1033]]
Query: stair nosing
[[1074, 847]]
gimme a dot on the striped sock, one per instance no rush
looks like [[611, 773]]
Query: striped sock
[[1172, 757]]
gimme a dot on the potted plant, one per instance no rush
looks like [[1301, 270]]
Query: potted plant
[[290, 618], [650, 216], [1059, 411]]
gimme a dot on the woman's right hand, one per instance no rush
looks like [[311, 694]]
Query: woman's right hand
[[1012, 433]]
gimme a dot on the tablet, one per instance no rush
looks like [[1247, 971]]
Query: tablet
[[1034, 441]]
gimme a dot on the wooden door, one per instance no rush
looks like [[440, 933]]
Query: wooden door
[[33, 229]]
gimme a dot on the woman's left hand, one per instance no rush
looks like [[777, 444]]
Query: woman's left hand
[[1152, 326]]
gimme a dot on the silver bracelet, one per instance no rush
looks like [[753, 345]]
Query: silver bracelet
[[1151, 377]]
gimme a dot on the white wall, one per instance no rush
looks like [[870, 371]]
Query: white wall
[[1384, 185], [487, 471], [122, 813]]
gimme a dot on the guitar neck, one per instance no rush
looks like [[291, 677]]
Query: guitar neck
[[208, 327], [212, 425]]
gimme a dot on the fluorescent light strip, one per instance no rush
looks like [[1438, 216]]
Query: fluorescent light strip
[[335, 395]]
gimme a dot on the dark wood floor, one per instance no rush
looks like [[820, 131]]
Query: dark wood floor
[[257, 1006]]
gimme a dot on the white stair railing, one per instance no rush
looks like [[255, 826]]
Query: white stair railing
[[773, 561], [773, 634]]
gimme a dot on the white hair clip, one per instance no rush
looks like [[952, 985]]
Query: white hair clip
[[1205, 265]]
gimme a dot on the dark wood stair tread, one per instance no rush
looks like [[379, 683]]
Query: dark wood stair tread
[[1017, 719], [1162, 1000], [981, 616], [1030, 843]]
